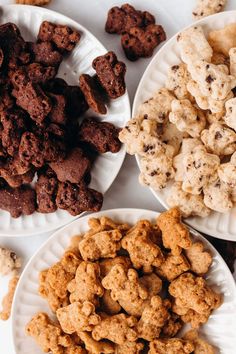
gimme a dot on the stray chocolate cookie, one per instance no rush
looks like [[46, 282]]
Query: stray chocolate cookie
[[92, 93], [110, 73], [140, 43], [121, 19]]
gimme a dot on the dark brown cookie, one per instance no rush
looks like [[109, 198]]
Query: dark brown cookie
[[101, 136], [39, 74], [64, 37], [46, 190], [93, 94], [14, 124], [73, 168], [1, 57], [58, 112], [40, 149], [45, 54], [121, 19], [33, 100], [18, 201], [111, 74], [57, 86], [13, 46], [77, 199], [15, 166], [6, 100], [141, 42], [13, 179], [76, 104]]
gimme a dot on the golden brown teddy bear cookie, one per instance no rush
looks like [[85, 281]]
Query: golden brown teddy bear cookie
[[175, 234]]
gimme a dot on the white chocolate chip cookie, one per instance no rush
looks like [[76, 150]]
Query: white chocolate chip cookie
[[213, 80], [232, 58], [156, 172], [206, 102], [227, 172], [217, 196], [219, 139], [141, 136], [172, 136], [200, 169], [207, 7], [178, 77], [194, 45], [187, 117], [189, 204], [230, 116], [157, 107], [215, 117], [188, 145]]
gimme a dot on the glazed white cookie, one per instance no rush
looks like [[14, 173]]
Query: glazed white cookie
[[200, 169], [194, 45], [156, 172], [217, 196], [178, 77], [157, 107], [189, 204], [219, 139], [208, 7], [187, 117]]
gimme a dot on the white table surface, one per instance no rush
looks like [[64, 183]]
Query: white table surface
[[125, 191]]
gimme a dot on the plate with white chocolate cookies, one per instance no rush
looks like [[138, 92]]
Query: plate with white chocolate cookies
[[183, 130], [63, 99], [125, 281]]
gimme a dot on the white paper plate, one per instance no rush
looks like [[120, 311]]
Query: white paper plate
[[107, 166], [220, 328], [219, 225]]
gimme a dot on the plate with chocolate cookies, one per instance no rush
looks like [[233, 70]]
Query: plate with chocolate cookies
[[63, 100]]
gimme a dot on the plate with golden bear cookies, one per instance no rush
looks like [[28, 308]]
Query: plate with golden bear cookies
[[183, 129], [125, 281], [63, 100]]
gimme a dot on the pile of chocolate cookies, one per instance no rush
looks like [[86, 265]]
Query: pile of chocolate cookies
[[139, 33], [43, 134]]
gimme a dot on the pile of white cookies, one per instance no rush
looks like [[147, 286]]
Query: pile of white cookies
[[186, 132]]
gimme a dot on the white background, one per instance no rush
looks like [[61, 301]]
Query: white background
[[125, 192]]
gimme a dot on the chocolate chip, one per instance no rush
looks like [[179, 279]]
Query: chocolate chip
[[175, 68], [218, 135], [209, 79]]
